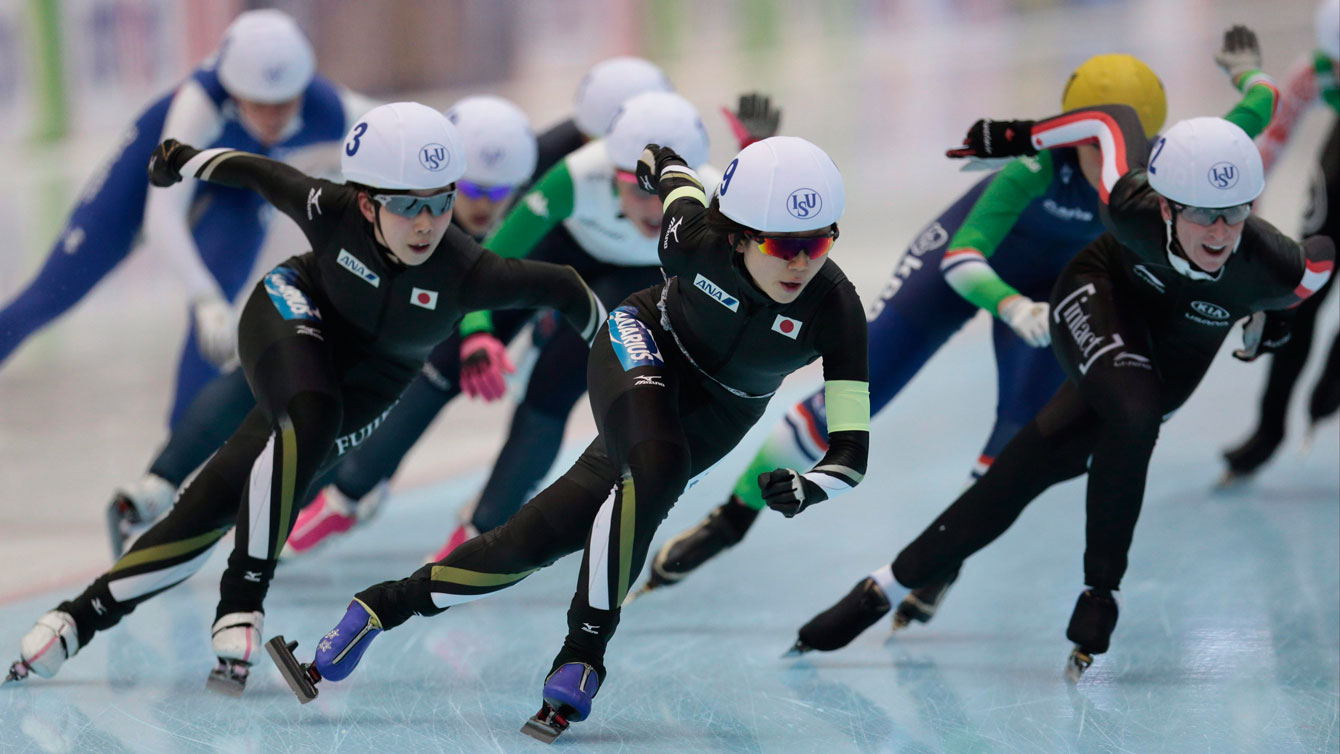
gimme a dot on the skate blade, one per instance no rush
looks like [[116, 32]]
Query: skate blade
[[220, 682], [628, 600], [1305, 447], [1076, 664], [1232, 481], [797, 649], [542, 729], [17, 672], [292, 670]]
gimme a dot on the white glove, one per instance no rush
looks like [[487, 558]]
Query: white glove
[[215, 331], [1028, 319]]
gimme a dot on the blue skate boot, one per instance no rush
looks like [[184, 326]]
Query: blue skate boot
[[568, 692], [337, 654]]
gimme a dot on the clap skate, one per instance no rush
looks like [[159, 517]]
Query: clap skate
[[920, 605], [1091, 626], [47, 645], [235, 638], [302, 677], [837, 626], [337, 654], [568, 692]]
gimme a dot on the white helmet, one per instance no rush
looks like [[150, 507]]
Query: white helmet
[[264, 57], [661, 118], [403, 146], [608, 84], [1327, 22], [500, 147], [1206, 162], [782, 184]]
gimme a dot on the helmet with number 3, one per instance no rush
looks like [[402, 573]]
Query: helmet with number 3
[[782, 184], [403, 146]]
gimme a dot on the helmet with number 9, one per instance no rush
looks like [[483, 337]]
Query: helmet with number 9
[[1206, 162], [608, 85], [264, 57], [661, 118], [782, 184], [1118, 79], [403, 146]]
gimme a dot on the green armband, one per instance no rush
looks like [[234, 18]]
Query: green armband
[[476, 322], [848, 405]]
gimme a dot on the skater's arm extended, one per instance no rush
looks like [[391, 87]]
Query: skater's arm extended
[[992, 217], [539, 210], [497, 283], [312, 203]]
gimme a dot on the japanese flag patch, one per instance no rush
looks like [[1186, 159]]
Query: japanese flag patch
[[426, 299], [787, 326]]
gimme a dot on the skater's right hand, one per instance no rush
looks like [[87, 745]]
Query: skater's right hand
[[788, 492], [1241, 54], [483, 363], [649, 166], [1264, 333], [167, 160], [996, 138], [1028, 319], [215, 329]]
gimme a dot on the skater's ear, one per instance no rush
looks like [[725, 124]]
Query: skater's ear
[[365, 206]]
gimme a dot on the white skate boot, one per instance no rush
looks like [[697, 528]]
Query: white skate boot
[[134, 508], [236, 640], [46, 646]]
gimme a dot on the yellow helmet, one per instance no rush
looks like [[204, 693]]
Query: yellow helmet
[[1121, 80]]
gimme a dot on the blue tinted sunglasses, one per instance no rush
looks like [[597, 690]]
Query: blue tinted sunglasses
[[409, 205], [479, 190]]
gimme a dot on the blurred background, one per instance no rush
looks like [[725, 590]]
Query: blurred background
[[883, 86]]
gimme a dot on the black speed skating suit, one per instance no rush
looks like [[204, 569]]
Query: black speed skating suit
[[328, 340], [683, 372]]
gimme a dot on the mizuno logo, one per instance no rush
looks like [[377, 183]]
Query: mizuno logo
[[715, 291], [591, 628], [313, 202], [350, 262], [648, 380], [672, 230]]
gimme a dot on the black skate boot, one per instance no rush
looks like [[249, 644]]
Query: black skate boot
[[568, 692], [1247, 458], [723, 528], [835, 627], [921, 604], [1091, 629]]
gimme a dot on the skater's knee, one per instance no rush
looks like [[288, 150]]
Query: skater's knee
[[314, 419], [660, 471]]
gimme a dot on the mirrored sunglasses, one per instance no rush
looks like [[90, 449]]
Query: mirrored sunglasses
[[409, 205], [480, 191], [788, 247], [1207, 215]]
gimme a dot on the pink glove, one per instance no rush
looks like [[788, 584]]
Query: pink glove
[[483, 363]]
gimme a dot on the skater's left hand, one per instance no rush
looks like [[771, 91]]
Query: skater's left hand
[[1240, 54], [483, 363], [788, 492], [996, 138], [649, 166], [1264, 333], [754, 119]]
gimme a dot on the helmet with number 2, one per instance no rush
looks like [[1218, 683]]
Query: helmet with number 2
[[403, 146], [1206, 162], [782, 184]]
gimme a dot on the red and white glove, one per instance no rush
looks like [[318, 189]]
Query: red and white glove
[[1028, 319], [483, 363]]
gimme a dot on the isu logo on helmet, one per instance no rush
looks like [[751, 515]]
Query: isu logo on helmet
[[434, 157], [804, 203], [1223, 175]]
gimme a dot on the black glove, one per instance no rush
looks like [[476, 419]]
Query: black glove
[[1265, 332], [788, 493], [166, 162], [992, 139], [754, 119], [1240, 54], [649, 166]]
